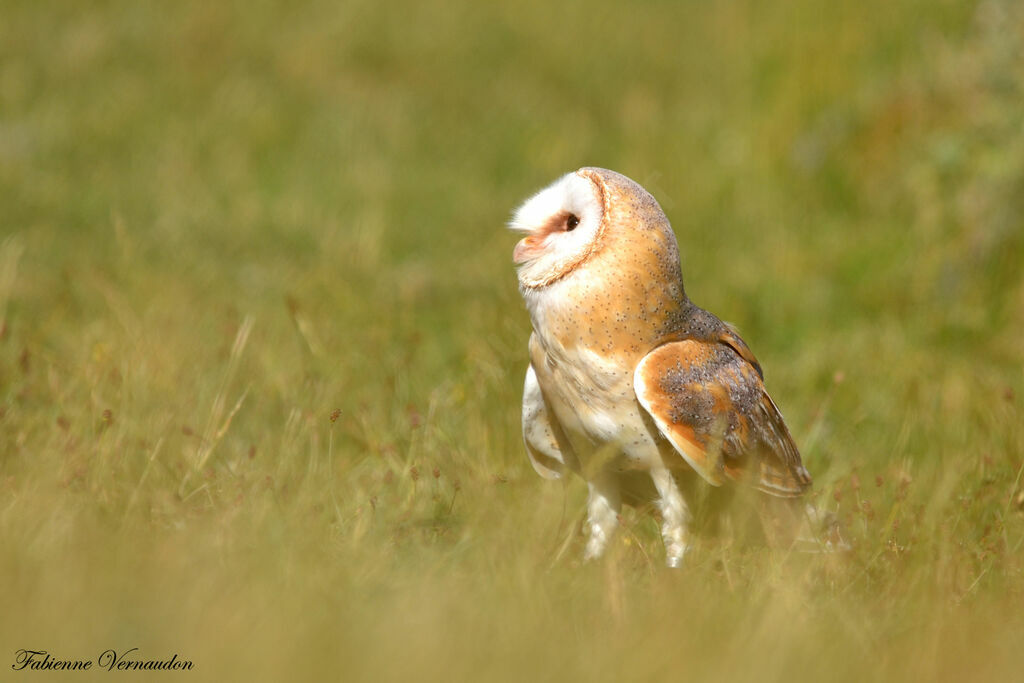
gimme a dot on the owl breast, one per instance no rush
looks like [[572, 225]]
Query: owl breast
[[588, 382]]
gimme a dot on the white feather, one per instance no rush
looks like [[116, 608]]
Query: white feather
[[573, 193]]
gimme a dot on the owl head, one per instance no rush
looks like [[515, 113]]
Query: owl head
[[589, 215]]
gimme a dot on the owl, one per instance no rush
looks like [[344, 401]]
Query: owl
[[628, 379]]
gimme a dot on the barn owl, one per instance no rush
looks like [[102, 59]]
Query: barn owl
[[628, 377]]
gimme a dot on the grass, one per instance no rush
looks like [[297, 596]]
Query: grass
[[261, 348]]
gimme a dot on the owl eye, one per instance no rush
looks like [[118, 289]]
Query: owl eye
[[571, 222]]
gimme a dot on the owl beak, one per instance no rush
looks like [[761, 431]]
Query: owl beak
[[526, 249]]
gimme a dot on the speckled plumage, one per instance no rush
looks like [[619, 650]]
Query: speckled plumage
[[626, 374]]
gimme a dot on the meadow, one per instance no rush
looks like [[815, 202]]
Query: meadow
[[261, 347]]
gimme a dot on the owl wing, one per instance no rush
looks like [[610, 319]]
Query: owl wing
[[708, 400], [541, 434]]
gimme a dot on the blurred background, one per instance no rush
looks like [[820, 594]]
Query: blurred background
[[261, 348]]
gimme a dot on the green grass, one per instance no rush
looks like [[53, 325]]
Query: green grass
[[221, 223]]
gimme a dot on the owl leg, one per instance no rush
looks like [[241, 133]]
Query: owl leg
[[602, 514], [675, 516]]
